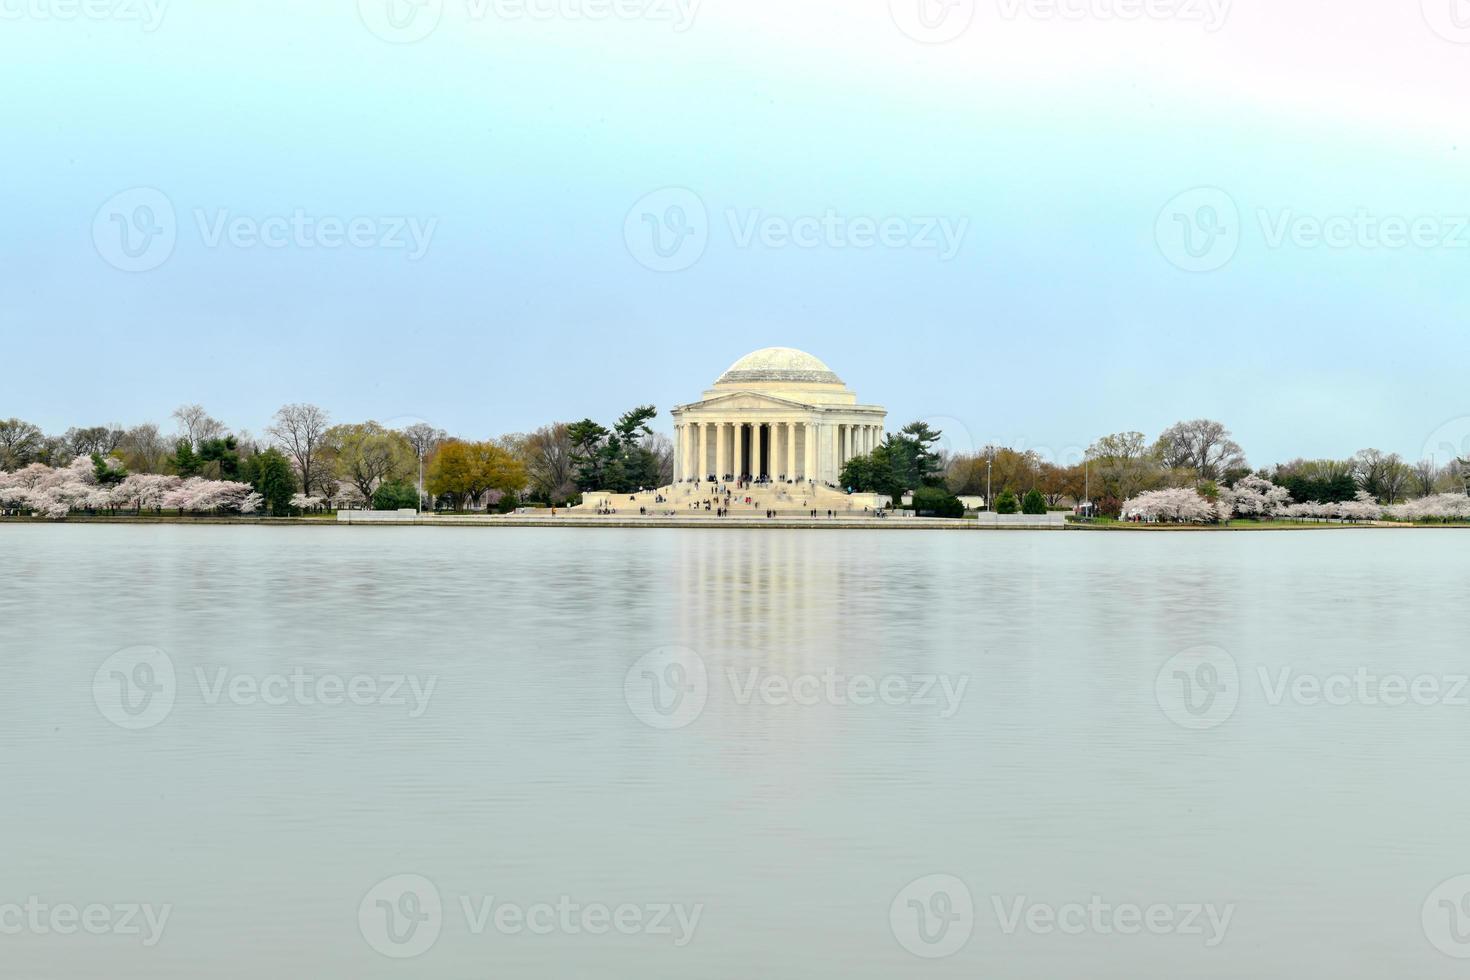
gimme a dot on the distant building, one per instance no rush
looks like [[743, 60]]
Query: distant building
[[779, 414]]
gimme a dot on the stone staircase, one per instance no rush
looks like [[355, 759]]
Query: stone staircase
[[687, 500]]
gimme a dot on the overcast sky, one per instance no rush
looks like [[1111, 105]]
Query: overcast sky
[[1030, 222]]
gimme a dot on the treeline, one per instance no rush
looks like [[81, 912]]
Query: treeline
[[304, 461], [1199, 454]]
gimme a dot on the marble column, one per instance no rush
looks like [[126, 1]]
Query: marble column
[[755, 450], [791, 450], [809, 439], [703, 450], [739, 462], [721, 452]]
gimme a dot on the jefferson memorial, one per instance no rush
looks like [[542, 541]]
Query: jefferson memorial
[[777, 414]]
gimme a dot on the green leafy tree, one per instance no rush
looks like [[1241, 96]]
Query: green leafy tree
[[879, 471], [1006, 503], [395, 495], [366, 454], [1033, 502], [466, 471], [274, 478]]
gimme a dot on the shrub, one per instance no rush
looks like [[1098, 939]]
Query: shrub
[[1006, 503], [395, 495], [1033, 502], [937, 502]]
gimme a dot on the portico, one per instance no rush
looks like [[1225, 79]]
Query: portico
[[777, 414]]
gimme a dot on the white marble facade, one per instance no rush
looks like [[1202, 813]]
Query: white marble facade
[[778, 414]]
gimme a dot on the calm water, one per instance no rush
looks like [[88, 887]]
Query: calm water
[[677, 723]]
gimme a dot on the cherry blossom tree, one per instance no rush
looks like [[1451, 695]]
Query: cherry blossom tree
[[1176, 505], [1253, 496]]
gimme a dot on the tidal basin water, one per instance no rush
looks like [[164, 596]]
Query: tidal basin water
[[422, 752]]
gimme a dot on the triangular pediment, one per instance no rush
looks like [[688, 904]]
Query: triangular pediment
[[746, 400]]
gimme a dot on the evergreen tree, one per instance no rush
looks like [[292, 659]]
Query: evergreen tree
[[274, 478]]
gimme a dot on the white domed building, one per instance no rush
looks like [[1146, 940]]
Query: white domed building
[[778, 414]]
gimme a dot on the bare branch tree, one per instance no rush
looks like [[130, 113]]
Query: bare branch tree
[[298, 430], [1202, 445], [196, 426]]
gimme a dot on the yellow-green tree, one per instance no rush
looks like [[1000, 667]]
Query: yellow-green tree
[[368, 455], [466, 471]]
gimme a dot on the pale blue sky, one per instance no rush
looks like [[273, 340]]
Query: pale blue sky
[[522, 144]]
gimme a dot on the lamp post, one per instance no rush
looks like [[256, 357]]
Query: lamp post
[[989, 504]]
